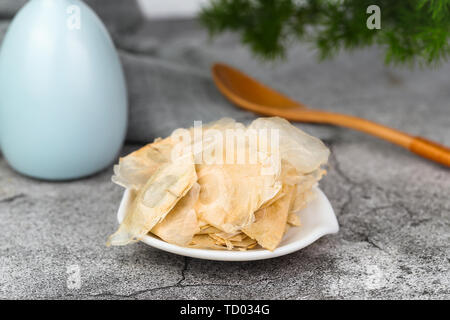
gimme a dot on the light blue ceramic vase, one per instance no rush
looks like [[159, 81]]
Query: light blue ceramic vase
[[63, 101]]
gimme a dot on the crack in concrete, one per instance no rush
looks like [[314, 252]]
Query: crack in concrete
[[348, 202], [183, 271], [353, 184], [396, 205], [12, 198], [136, 293], [177, 285], [337, 167], [374, 244]]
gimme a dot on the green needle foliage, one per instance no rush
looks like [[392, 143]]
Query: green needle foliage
[[412, 31]]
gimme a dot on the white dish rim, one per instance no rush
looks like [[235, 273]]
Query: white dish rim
[[330, 227]]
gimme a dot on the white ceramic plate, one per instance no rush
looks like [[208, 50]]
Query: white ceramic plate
[[318, 219]]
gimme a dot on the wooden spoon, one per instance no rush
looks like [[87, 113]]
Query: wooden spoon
[[251, 95]]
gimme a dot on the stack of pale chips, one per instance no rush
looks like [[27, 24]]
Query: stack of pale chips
[[222, 186]]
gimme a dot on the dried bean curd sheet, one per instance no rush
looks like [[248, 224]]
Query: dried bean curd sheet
[[223, 186]]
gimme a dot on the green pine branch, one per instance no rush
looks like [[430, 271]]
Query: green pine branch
[[412, 31]]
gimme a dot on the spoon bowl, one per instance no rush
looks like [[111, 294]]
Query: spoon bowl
[[249, 91]]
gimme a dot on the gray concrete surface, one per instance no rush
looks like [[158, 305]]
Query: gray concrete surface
[[393, 210], [393, 207]]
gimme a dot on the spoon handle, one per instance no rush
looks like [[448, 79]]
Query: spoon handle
[[418, 145], [430, 150]]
